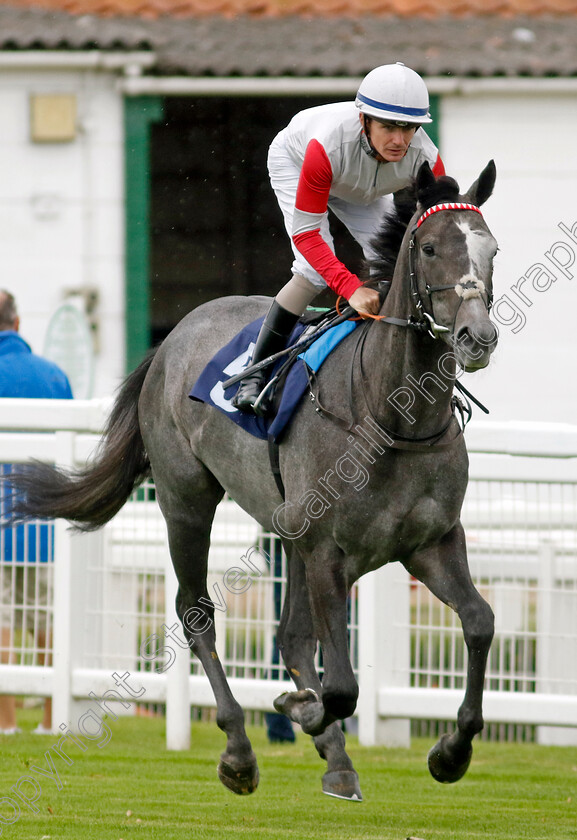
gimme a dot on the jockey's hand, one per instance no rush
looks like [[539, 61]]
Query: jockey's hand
[[365, 301]]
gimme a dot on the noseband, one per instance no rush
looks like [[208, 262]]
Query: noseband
[[475, 287]]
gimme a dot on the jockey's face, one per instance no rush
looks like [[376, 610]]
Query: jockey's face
[[390, 140]]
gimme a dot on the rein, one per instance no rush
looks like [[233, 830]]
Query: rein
[[388, 438]]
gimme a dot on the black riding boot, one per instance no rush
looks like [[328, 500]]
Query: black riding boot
[[272, 338]]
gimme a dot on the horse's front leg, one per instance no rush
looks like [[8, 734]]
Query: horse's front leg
[[328, 593], [444, 570], [297, 642]]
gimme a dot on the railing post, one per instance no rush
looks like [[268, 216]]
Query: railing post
[[178, 675], [71, 558], [553, 651], [384, 652]]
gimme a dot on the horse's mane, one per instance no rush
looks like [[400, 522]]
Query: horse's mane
[[387, 242]]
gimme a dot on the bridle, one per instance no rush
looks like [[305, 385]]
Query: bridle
[[426, 321]]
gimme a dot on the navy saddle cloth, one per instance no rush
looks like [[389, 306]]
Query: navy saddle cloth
[[235, 356]]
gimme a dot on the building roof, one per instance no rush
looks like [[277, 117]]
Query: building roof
[[312, 8], [302, 46]]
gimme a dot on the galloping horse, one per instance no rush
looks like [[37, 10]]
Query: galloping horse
[[382, 404]]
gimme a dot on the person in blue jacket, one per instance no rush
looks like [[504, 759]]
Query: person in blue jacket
[[25, 550]]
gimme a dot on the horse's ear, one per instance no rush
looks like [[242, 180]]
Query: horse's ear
[[481, 190], [425, 178]]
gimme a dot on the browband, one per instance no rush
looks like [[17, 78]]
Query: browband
[[450, 205]]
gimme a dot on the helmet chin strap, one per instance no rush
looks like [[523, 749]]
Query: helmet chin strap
[[366, 139]]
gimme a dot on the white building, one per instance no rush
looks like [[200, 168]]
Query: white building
[[132, 156]]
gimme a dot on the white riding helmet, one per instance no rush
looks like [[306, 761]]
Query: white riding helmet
[[394, 92]]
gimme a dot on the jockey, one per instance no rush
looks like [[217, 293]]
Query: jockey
[[347, 157]]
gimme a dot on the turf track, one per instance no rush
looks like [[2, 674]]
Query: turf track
[[133, 788]]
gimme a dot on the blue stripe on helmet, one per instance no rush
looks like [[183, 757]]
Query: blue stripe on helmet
[[397, 109]]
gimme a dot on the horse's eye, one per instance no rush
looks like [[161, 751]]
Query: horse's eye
[[428, 250]]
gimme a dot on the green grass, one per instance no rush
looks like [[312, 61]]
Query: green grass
[[133, 788]]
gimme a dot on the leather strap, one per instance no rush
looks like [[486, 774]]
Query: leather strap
[[390, 440], [274, 458]]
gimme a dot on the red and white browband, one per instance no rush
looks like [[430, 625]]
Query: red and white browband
[[450, 205]]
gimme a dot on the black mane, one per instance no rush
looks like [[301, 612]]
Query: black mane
[[387, 242]]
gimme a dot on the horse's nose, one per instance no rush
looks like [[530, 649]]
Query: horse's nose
[[482, 334]]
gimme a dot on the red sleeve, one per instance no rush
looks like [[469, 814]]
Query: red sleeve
[[315, 180], [318, 254], [312, 199], [439, 167]]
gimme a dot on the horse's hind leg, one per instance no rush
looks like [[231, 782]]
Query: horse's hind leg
[[297, 643], [188, 496], [445, 572]]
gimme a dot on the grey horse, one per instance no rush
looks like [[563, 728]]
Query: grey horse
[[374, 467]]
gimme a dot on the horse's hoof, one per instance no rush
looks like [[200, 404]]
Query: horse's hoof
[[242, 779], [289, 700], [446, 767], [343, 784], [305, 708]]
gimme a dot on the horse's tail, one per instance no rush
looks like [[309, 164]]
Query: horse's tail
[[89, 498]]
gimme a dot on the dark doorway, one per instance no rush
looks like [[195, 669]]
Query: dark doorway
[[216, 228]]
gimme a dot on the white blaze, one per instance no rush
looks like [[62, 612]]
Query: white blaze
[[477, 243]]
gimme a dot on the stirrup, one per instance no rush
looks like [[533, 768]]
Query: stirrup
[[263, 402]]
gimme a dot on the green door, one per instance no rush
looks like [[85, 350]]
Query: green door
[[139, 113]]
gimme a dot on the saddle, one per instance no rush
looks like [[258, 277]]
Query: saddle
[[312, 325], [319, 330]]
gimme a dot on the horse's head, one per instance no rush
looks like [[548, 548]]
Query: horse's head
[[451, 265]]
